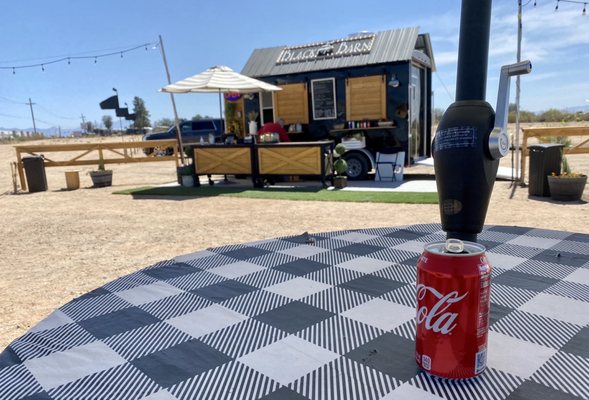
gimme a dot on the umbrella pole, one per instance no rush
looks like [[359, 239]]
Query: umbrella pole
[[178, 133], [221, 112]]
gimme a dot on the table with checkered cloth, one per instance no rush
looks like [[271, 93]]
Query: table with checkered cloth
[[320, 316]]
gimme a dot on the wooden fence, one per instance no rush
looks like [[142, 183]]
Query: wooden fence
[[577, 148], [93, 153]]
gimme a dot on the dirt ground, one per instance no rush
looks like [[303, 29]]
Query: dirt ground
[[58, 244]]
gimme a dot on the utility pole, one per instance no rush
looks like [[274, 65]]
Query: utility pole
[[33, 116], [84, 123]]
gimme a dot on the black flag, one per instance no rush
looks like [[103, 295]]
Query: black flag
[[112, 103], [131, 117], [122, 112]]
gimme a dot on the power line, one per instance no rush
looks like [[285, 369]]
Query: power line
[[12, 101], [120, 53], [54, 114], [444, 86]]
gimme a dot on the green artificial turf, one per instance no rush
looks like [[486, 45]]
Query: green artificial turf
[[276, 193]]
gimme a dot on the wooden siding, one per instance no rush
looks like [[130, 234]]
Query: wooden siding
[[366, 98], [222, 160], [292, 103], [290, 160]]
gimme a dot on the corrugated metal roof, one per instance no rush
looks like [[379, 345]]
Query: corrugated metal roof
[[388, 46]]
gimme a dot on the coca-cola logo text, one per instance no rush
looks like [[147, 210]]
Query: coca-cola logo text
[[438, 318]]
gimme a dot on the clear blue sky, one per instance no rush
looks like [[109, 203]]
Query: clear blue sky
[[200, 34]]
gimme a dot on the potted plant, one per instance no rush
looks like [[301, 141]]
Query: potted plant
[[185, 175], [340, 167], [101, 177], [568, 185]]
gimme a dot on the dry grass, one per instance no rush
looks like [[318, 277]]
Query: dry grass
[[57, 245]]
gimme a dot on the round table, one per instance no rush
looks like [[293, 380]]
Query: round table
[[315, 316]]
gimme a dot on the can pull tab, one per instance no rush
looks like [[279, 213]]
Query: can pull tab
[[454, 246]]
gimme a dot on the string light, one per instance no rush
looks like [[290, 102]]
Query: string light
[[569, 1], [69, 58]]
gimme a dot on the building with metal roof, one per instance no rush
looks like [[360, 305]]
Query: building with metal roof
[[370, 85]]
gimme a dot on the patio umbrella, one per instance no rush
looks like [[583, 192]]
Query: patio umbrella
[[219, 79]]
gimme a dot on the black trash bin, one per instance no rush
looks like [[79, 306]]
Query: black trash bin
[[35, 173], [544, 160]]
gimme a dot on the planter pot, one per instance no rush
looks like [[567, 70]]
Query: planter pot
[[101, 178], [253, 127], [566, 188], [183, 170], [340, 182], [187, 180]]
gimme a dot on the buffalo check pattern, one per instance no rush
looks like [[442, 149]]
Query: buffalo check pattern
[[315, 316]]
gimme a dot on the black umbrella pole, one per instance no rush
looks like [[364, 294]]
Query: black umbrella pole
[[473, 50], [465, 172]]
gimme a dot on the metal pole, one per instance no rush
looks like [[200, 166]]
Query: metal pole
[[178, 135], [517, 93], [221, 111], [473, 50], [33, 116]]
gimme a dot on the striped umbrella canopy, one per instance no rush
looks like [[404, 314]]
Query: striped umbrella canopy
[[219, 79]]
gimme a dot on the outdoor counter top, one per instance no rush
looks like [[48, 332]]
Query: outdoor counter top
[[314, 316]]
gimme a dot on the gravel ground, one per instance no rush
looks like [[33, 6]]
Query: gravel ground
[[57, 245]]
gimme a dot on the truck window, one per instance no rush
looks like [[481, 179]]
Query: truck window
[[203, 125]]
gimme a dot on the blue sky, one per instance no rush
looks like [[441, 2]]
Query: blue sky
[[198, 35]]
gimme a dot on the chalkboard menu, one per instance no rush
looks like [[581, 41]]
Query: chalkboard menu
[[323, 95]]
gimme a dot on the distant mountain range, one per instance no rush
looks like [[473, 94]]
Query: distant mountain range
[[577, 109], [53, 131]]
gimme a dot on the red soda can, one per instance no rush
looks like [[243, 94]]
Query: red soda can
[[453, 300]]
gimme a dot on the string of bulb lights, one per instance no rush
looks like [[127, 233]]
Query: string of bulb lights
[[566, 1], [571, 1], [69, 59]]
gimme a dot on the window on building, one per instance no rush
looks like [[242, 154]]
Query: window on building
[[267, 107], [292, 104], [366, 98]]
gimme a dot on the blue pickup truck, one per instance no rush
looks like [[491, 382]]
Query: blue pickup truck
[[191, 131]]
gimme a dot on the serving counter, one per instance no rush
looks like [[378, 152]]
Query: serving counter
[[266, 159]]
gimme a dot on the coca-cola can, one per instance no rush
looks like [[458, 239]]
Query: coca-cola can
[[453, 300]]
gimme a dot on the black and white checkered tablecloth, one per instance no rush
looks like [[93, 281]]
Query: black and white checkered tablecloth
[[324, 316]]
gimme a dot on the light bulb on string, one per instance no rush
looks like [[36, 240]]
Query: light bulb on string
[[556, 8], [68, 61], [13, 71], [42, 67], [95, 60], [121, 54], [584, 8], [534, 3]]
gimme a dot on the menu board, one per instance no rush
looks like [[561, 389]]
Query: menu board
[[323, 95]]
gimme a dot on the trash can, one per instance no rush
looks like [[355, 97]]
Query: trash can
[[72, 180], [35, 172], [544, 160]]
